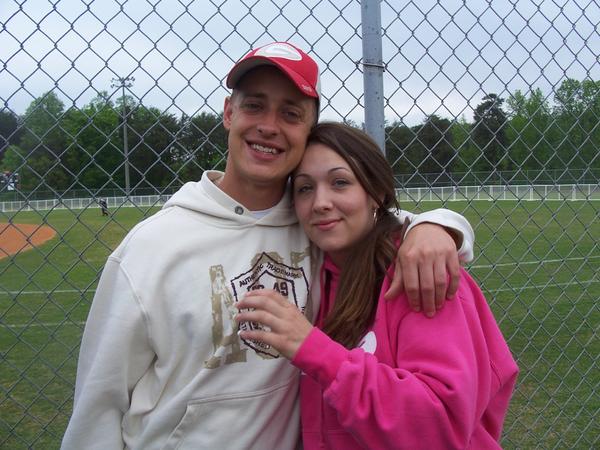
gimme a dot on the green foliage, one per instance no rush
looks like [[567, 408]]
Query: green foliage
[[434, 145], [398, 138], [531, 131], [489, 133], [13, 159], [577, 113], [151, 137], [10, 131], [466, 153], [94, 151], [83, 148], [43, 143], [202, 145]]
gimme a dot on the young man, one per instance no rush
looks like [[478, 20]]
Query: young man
[[161, 365]]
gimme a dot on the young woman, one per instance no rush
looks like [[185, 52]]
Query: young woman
[[375, 374]]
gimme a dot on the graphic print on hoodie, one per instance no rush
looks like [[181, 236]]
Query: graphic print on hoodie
[[268, 271]]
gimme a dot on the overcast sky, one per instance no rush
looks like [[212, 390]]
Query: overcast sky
[[441, 57]]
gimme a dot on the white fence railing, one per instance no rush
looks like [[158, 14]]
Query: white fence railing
[[420, 194], [501, 192], [142, 201]]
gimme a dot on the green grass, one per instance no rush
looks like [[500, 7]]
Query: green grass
[[537, 262]]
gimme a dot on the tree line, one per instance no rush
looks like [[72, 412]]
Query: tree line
[[55, 148]]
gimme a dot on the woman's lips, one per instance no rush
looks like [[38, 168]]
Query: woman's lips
[[325, 225]]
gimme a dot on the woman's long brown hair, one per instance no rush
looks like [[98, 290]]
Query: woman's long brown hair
[[363, 272]]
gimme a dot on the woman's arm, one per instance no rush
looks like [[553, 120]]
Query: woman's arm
[[427, 400]]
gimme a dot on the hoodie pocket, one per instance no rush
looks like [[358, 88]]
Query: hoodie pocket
[[257, 420]]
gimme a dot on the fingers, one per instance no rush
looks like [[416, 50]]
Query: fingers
[[426, 277], [453, 267], [257, 316], [264, 299], [272, 311], [397, 284], [259, 335], [280, 324], [439, 276], [267, 293], [412, 286]]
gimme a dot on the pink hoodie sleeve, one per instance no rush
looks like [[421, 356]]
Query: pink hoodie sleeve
[[441, 382]]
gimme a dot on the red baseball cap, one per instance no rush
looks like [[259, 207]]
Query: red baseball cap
[[292, 61]]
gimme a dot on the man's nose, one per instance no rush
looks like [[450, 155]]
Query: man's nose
[[268, 124]]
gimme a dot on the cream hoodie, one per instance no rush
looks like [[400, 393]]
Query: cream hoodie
[[161, 365]]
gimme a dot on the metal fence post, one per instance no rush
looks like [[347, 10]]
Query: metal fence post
[[373, 67], [124, 82]]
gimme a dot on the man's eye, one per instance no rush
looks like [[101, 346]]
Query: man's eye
[[292, 115], [251, 106]]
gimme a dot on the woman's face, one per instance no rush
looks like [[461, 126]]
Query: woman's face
[[332, 206]]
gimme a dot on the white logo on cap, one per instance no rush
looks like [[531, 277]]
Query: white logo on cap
[[279, 50]]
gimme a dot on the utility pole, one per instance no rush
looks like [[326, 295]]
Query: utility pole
[[373, 69], [124, 82]]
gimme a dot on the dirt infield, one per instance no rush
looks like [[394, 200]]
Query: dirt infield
[[19, 237]]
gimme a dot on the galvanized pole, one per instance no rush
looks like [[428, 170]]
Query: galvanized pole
[[124, 82], [373, 67], [125, 146]]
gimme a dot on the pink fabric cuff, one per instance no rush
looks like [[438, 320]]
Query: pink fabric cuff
[[320, 357]]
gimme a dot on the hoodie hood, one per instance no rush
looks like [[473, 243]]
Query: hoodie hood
[[205, 197]]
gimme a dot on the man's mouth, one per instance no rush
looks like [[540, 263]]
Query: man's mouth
[[264, 149]]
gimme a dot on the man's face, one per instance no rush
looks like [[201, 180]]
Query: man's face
[[268, 120]]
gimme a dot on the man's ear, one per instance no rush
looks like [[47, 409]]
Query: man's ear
[[227, 112]]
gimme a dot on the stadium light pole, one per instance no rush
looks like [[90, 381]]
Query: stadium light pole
[[124, 82]]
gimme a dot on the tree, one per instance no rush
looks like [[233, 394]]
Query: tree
[[434, 147], [94, 150], [10, 131], [201, 145], [530, 131], [398, 138], [577, 112], [152, 136], [466, 153], [43, 144], [489, 133]]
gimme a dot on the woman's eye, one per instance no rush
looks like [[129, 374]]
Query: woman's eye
[[303, 189], [340, 182]]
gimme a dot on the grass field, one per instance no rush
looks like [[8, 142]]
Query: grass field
[[538, 263]]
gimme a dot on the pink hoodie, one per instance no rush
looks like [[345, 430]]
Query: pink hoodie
[[413, 383]]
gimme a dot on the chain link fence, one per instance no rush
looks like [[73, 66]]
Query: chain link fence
[[491, 109]]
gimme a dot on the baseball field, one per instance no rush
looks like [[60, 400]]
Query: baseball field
[[537, 262]]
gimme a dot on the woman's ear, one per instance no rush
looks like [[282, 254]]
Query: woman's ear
[[374, 205]]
